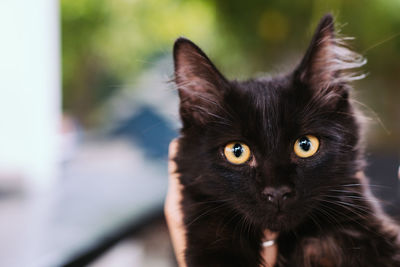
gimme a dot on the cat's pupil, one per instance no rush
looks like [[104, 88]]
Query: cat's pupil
[[237, 150], [304, 143]]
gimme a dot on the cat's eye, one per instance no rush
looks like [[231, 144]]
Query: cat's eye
[[237, 152], [306, 146]]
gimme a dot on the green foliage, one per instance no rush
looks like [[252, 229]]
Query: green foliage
[[106, 43]]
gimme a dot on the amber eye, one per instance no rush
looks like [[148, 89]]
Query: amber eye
[[237, 152], [306, 146]]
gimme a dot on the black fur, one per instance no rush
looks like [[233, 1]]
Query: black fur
[[332, 220]]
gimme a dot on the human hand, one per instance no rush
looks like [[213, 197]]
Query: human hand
[[174, 216], [172, 207]]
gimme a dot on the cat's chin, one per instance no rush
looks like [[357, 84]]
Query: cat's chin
[[277, 227], [275, 220], [280, 222]]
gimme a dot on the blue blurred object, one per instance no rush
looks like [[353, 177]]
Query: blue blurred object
[[149, 130]]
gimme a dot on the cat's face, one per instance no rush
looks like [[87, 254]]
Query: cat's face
[[269, 148]]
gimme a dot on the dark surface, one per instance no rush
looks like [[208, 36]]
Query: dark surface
[[131, 228], [382, 170], [108, 190]]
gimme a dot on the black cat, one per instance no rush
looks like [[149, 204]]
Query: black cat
[[280, 153]]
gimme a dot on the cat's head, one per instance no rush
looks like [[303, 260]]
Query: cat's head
[[269, 147]]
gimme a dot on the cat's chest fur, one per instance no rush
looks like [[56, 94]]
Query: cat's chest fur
[[283, 154]]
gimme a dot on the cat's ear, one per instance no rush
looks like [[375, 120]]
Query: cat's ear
[[201, 86], [327, 61]]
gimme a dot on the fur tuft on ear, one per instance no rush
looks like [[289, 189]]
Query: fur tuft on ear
[[200, 84], [328, 61]]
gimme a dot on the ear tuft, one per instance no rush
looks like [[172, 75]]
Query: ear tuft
[[328, 60], [199, 83]]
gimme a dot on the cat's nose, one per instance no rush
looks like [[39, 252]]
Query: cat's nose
[[278, 196]]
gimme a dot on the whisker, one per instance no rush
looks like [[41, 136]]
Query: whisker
[[207, 212]]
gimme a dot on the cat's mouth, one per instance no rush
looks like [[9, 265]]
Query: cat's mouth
[[281, 219]]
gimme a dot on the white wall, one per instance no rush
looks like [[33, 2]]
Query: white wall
[[29, 89]]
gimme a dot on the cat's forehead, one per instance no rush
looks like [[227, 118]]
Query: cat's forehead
[[260, 107], [264, 94], [272, 112]]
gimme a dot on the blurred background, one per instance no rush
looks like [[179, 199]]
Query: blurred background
[[87, 111]]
